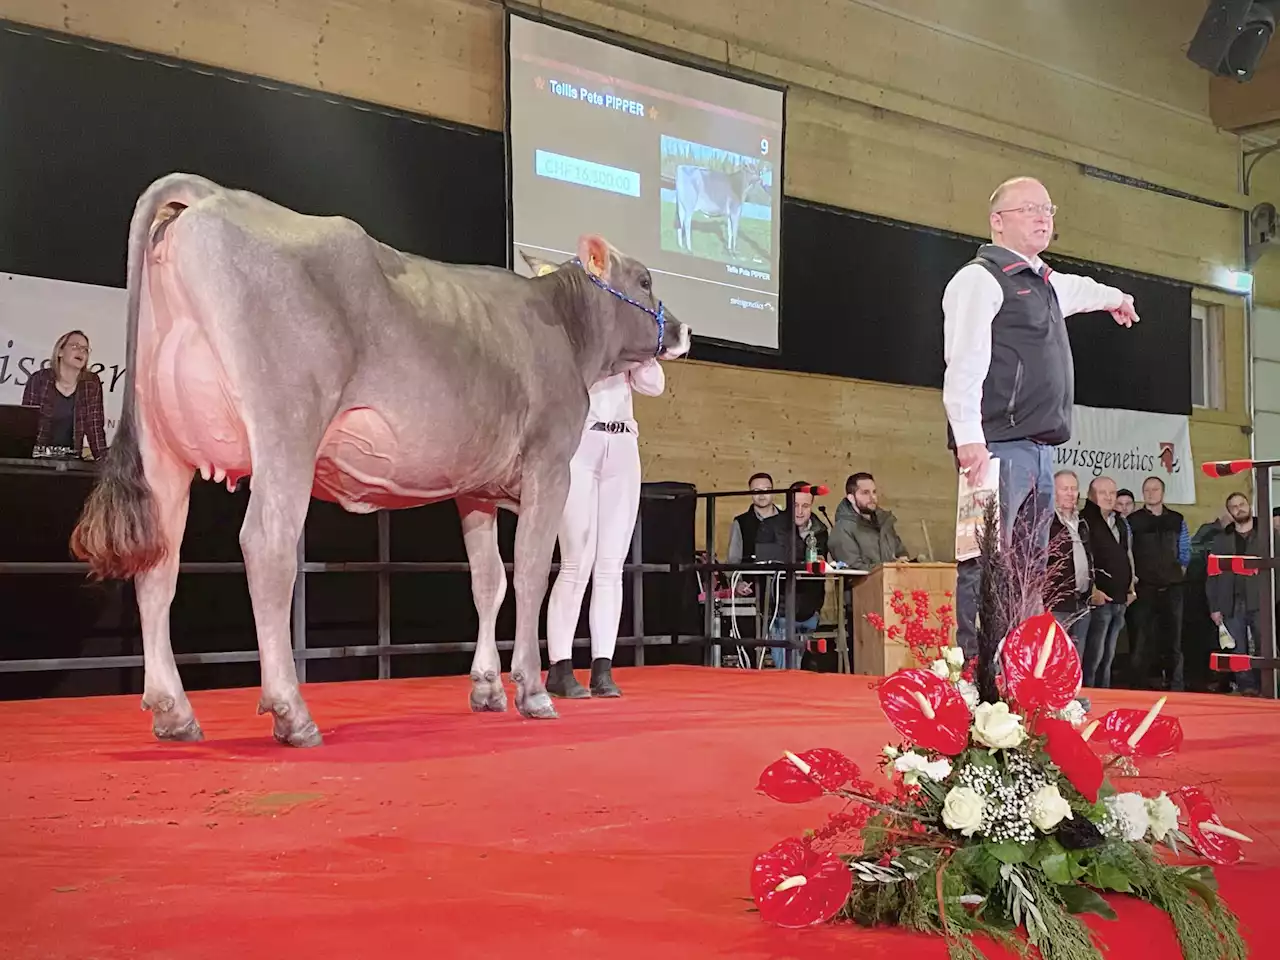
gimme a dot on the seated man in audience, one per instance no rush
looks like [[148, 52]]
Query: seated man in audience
[[742, 532], [811, 536], [1069, 589], [864, 535]]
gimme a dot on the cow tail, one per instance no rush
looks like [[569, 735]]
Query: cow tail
[[119, 533]]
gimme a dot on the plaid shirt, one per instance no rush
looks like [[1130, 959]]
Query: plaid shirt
[[89, 420]]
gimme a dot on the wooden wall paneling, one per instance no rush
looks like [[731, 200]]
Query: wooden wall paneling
[[861, 158]]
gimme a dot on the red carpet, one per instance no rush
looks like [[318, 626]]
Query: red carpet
[[624, 830]]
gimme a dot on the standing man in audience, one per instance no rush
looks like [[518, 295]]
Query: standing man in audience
[[1235, 600], [1124, 502], [1009, 386], [1069, 591], [1161, 552], [1112, 580], [864, 535]]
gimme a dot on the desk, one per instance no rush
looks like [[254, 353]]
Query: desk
[[771, 574], [47, 465]]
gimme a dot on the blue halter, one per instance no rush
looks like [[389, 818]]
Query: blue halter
[[660, 315]]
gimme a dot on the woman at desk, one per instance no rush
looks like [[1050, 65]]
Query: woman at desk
[[69, 396]]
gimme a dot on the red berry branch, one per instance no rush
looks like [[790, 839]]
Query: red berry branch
[[925, 642]]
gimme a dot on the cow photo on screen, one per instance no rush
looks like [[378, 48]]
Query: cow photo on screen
[[716, 203]]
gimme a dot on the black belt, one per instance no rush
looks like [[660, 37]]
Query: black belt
[[611, 426]]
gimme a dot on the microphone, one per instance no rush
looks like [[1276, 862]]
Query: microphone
[[1226, 468], [822, 509]]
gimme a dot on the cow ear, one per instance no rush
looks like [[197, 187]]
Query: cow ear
[[593, 251], [539, 266]]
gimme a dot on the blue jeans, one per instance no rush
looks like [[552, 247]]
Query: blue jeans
[[1240, 621], [1100, 647], [778, 631], [1026, 494], [1078, 630]]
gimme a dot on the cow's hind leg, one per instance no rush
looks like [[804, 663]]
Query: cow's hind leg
[[280, 495], [545, 487], [488, 589], [162, 691]]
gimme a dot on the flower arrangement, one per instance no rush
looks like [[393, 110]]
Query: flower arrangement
[[1001, 820]]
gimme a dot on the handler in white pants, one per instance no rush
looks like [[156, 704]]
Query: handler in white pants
[[595, 533]]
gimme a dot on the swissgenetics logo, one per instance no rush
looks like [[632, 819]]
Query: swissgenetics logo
[[1100, 460]]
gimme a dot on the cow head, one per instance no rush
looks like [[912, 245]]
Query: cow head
[[622, 303]]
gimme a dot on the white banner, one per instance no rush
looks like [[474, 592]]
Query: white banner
[[36, 311], [1129, 446]]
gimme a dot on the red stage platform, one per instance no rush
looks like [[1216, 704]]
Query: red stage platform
[[624, 830]]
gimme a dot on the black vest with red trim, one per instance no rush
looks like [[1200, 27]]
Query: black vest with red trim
[[1029, 391]]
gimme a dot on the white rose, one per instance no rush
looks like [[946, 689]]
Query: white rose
[[1163, 816], [954, 656], [1073, 713], [890, 751], [1130, 813], [962, 810], [1047, 807], [996, 727], [969, 691], [913, 766], [940, 669]]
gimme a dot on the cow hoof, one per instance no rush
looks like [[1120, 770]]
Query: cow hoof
[[537, 706], [179, 732], [292, 726], [488, 701], [172, 721]]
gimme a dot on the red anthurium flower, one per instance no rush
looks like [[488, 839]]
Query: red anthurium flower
[[1217, 843], [796, 886], [1041, 666], [1143, 733], [1072, 755], [927, 710], [831, 768], [785, 782], [798, 779]]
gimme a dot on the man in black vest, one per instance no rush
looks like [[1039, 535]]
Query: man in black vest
[[1234, 600], [742, 534], [1009, 386], [1112, 580]]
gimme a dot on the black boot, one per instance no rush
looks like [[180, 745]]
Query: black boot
[[602, 684], [562, 683]]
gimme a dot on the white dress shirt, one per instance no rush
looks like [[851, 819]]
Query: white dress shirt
[[611, 397], [969, 304]]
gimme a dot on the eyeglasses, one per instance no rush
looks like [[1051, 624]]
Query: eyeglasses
[[1031, 209]]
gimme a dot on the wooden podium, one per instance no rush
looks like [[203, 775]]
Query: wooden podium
[[874, 653]]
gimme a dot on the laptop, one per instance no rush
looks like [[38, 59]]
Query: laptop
[[18, 428]]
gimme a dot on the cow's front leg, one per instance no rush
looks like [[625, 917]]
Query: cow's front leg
[[488, 589], [544, 489], [269, 539]]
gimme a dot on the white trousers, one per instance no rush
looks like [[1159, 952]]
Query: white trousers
[[595, 540]]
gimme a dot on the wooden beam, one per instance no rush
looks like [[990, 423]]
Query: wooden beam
[[1243, 106]]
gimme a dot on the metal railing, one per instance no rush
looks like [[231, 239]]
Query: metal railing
[[384, 567]]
